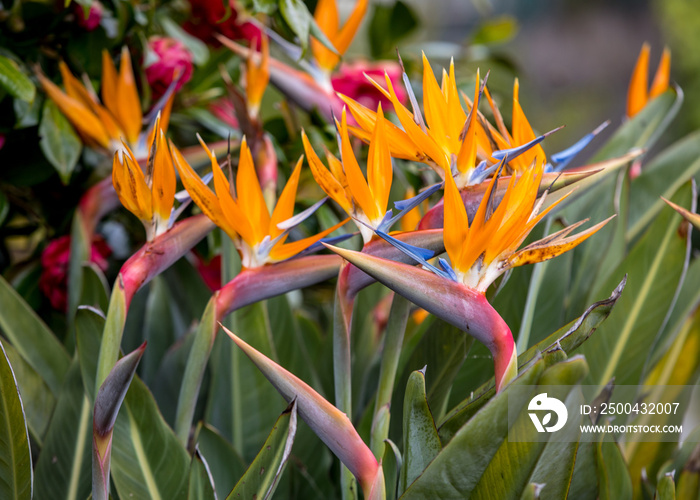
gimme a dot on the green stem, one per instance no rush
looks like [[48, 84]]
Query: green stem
[[230, 267], [194, 370], [79, 253], [393, 341], [342, 377], [531, 301]]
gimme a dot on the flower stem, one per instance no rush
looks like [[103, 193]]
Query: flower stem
[[393, 340]]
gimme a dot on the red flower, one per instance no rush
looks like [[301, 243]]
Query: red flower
[[205, 21], [209, 271], [55, 259], [174, 61], [350, 80], [91, 19], [223, 109]]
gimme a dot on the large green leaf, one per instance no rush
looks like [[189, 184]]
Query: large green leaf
[[63, 468], [158, 329], [201, 486], [523, 458], [613, 478], [663, 176], [15, 452], [14, 81], [32, 338], [420, 437], [37, 398], [654, 267], [242, 403], [226, 466], [89, 324], [260, 479], [474, 441], [59, 142], [147, 459]]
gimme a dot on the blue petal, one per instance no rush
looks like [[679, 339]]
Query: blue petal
[[301, 216], [562, 158], [407, 205], [481, 172], [448, 268], [331, 241], [514, 152], [416, 253]]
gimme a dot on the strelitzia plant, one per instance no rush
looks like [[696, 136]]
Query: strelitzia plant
[[479, 253], [149, 197], [260, 238]]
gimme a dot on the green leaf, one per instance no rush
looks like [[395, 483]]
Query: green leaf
[[147, 459], [65, 461], [198, 49], [388, 26], [15, 453], [15, 81], [158, 329], [59, 142], [201, 485], [474, 441], [663, 176], [95, 289], [36, 395], [420, 437], [225, 464], [613, 478], [525, 459], [89, 324], [260, 479], [498, 30], [32, 338], [242, 403], [666, 489], [654, 267], [644, 128], [4, 207], [298, 18], [391, 465]]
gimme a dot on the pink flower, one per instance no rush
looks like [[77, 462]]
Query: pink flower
[[350, 80], [174, 61], [55, 258], [223, 109], [90, 20], [205, 21]]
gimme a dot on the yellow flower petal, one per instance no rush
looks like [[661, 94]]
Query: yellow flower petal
[[257, 76], [164, 181], [109, 85], [250, 196]]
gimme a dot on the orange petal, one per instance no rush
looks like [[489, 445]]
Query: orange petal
[[285, 204], [250, 195], [257, 76], [131, 186], [356, 180], [326, 16], [344, 37], [324, 178], [637, 93], [456, 224], [110, 82], [80, 117], [523, 133], [379, 170], [164, 181], [466, 159], [434, 105], [130, 115], [662, 76], [285, 251], [199, 192]]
